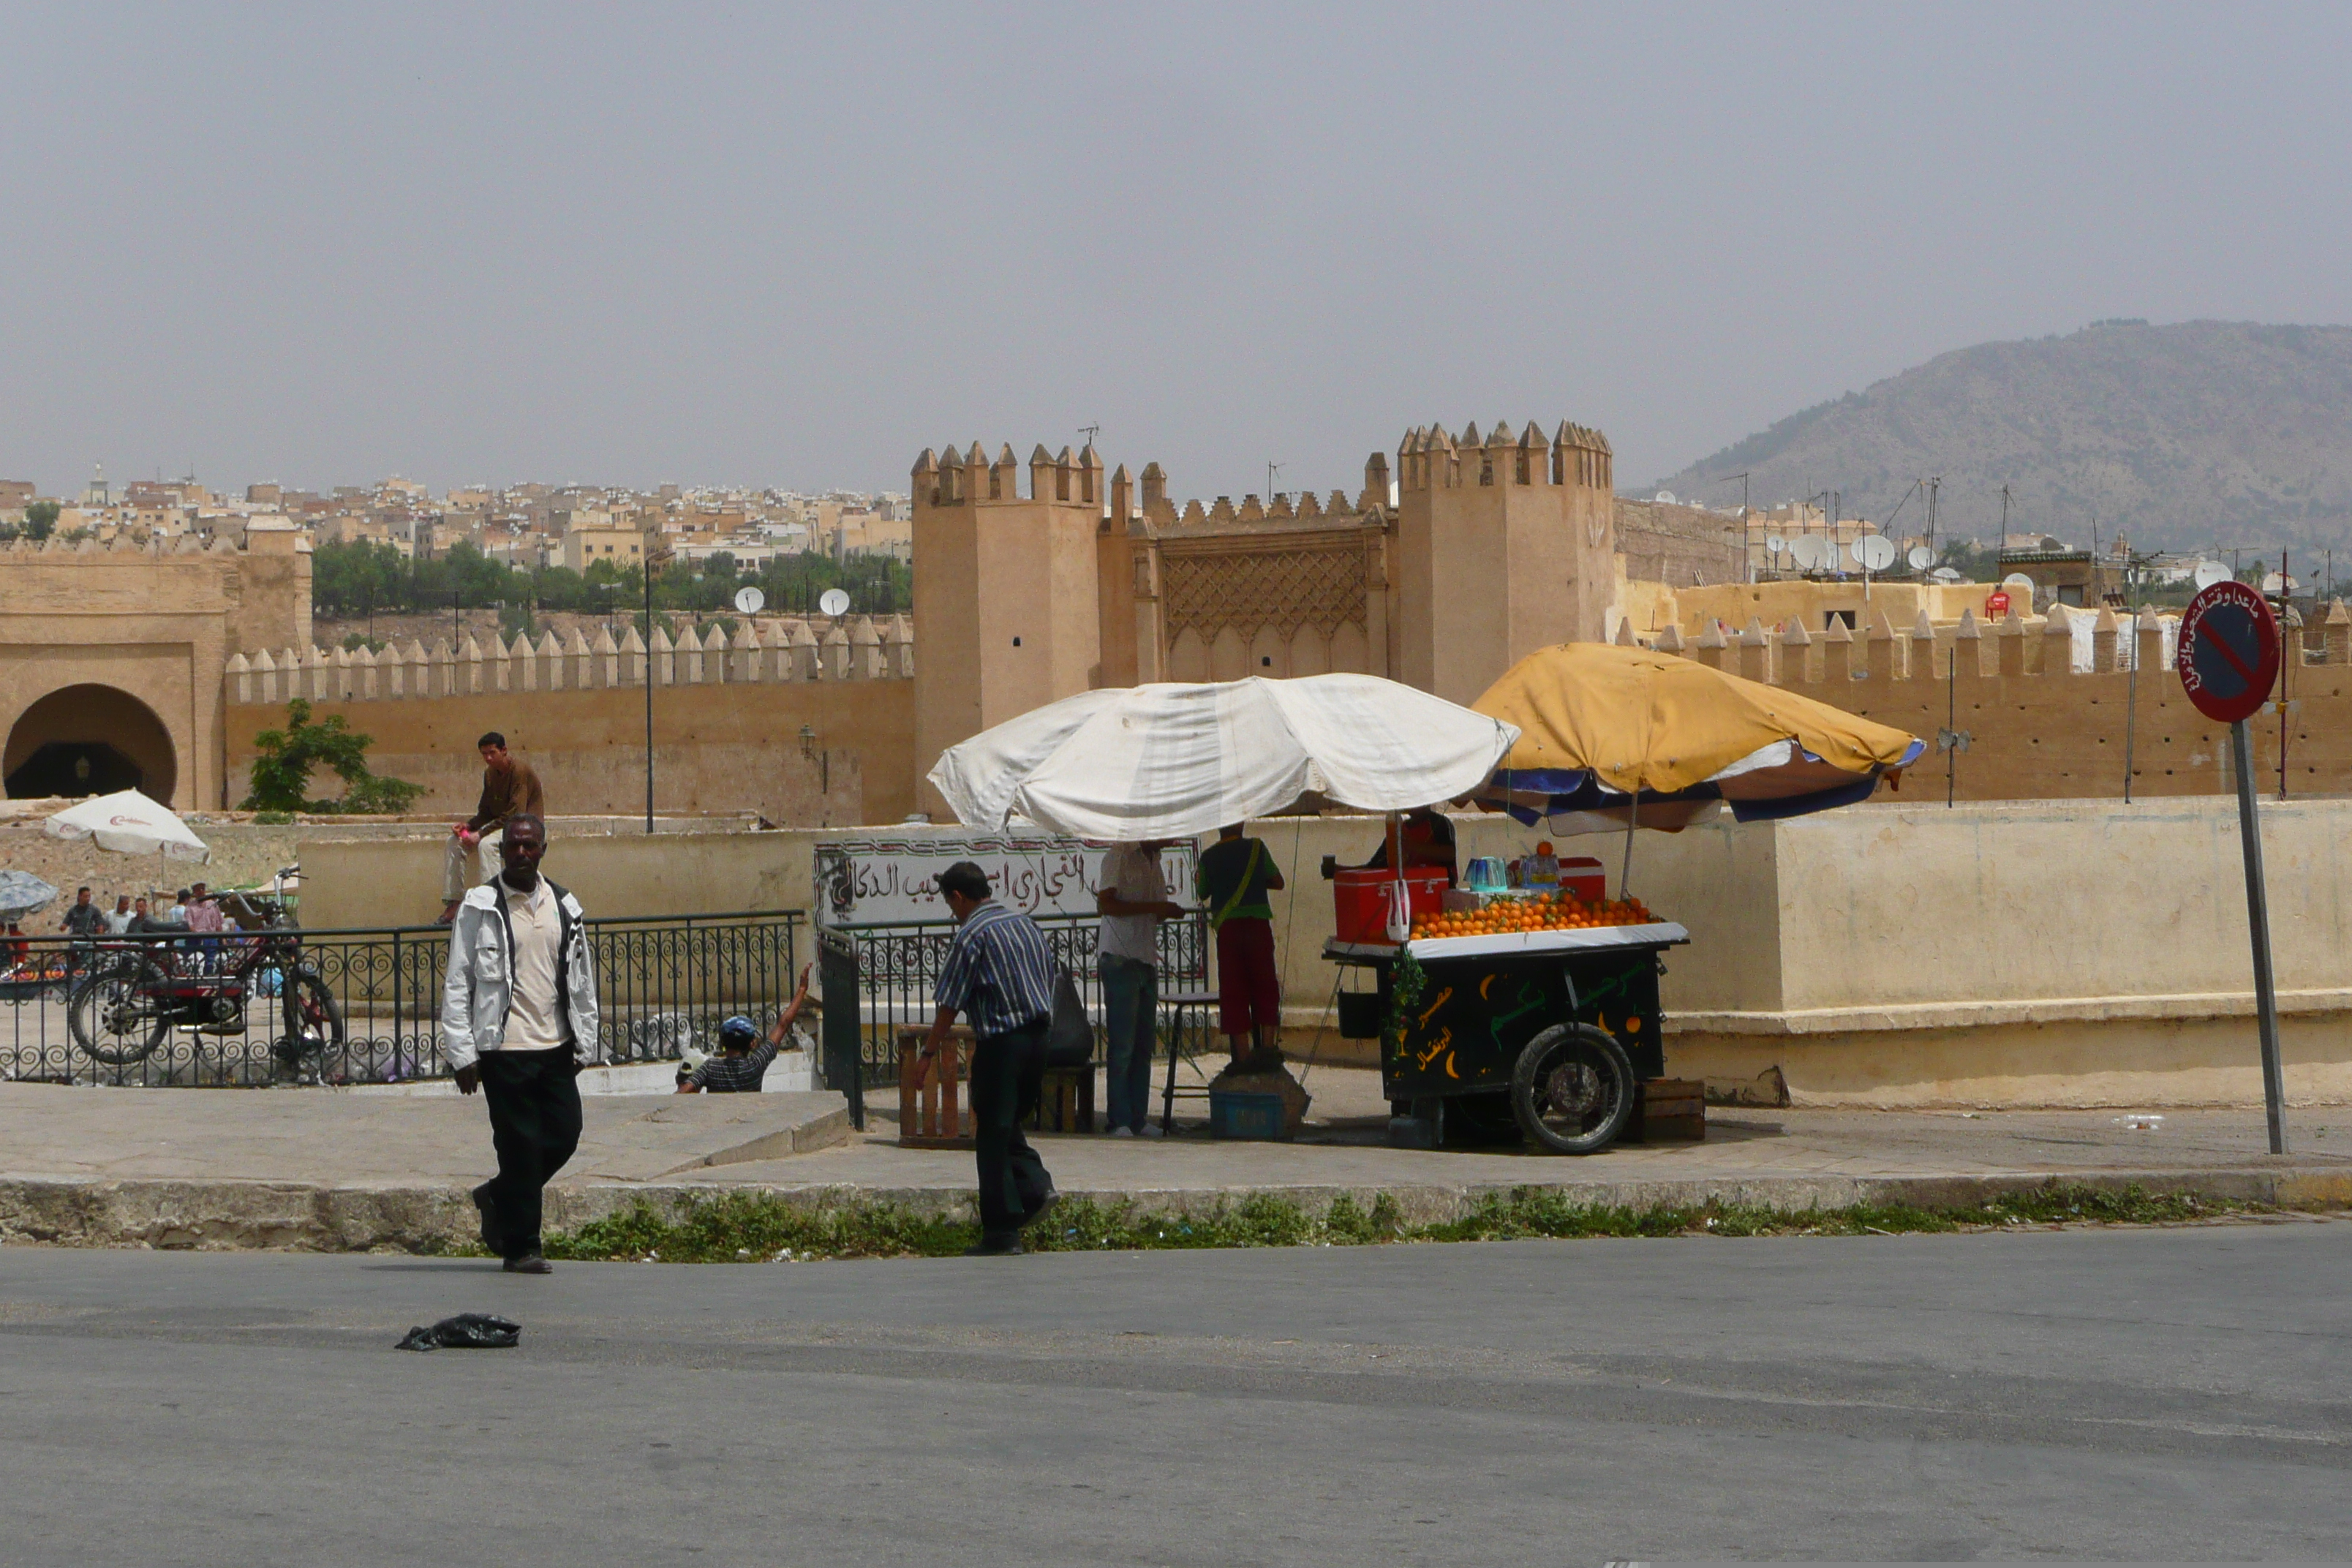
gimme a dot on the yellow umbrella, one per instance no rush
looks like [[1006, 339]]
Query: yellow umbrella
[[1627, 733]]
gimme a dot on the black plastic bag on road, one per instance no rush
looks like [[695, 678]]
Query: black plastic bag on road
[[466, 1331]]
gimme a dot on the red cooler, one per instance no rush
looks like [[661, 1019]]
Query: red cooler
[[1360, 899]]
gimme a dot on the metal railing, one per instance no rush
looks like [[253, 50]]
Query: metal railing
[[246, 1007], [878, 979]]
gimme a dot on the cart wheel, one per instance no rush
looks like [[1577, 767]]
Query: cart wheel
[[1572, 1089]]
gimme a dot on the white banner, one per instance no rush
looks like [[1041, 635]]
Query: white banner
[[889, 882]]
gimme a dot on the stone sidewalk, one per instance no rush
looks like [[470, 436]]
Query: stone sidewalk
[[335, 1171]]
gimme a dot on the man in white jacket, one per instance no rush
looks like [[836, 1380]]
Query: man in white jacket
[[518, 1022]]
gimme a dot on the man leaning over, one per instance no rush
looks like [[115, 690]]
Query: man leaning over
[[999, 970], [518, 1022], [509, 789]]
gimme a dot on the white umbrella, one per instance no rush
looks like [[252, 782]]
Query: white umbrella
[[23, 894], [130, 824], [1170, 760]]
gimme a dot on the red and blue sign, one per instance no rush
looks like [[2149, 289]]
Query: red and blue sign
[[2229, 652]]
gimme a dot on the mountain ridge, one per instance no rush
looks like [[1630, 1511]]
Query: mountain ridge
[[2193, 434]]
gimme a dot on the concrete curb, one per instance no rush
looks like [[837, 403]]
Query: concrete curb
[[227, 1215]]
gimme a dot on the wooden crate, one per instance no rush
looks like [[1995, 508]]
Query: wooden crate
[[933, 1100], [1065, 1101], [1670, 1111]]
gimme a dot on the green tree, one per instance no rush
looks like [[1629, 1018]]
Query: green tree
[[283, 760], [40, 520]]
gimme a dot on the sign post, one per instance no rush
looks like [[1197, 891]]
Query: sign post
[[2228, 661]]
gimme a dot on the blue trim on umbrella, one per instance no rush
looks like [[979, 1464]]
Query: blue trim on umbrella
[[1853, 794]]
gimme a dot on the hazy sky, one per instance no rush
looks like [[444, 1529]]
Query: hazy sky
[[740, 245]]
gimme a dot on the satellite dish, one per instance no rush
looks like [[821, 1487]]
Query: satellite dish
[[1811, 550], [1875, 551], [2275, 583], [1921, 558], [1776, 544], [750, 600], [2209, 572], [1667, 498], [834, 603]]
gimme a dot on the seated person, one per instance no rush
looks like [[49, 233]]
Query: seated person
[[1428, 841], [739, 1069]]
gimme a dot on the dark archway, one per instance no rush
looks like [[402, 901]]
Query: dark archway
[[89, 740]]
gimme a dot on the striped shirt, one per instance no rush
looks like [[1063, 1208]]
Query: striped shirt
[[734, 1075], [998, 971]]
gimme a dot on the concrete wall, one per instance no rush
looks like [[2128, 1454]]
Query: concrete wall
[[2046, 953], [2040, 954], [615, 871]]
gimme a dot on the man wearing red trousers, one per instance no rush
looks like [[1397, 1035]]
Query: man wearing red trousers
[[1233, 879]]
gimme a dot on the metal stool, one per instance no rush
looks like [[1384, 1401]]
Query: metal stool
[[1174, 1005]]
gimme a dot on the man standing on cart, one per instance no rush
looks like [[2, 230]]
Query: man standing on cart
[[1235, 877]]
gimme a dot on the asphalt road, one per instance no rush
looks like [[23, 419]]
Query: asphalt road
[[2165, 1393]]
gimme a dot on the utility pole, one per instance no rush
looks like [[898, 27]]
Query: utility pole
[[1272, 468], [654, 558]]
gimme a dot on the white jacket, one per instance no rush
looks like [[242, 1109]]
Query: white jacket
[[479, 988]]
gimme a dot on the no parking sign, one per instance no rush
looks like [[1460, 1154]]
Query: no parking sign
[[2229, 652], [2229, 660]]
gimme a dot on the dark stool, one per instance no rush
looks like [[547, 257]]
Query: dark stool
[[1065, 1101]]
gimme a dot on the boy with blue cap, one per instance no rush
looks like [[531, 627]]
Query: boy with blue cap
[[739, 1069]]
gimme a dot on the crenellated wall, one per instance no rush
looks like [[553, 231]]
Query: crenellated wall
[[806, 728], [2047, 706]]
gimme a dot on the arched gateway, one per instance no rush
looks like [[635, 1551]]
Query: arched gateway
[[89, 740]]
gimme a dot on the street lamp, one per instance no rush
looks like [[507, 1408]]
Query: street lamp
[[654, 557]]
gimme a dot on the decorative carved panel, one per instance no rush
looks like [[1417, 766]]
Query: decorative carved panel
[[1253, 590]]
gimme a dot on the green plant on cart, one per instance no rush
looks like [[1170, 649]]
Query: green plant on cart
[[1405, 989]]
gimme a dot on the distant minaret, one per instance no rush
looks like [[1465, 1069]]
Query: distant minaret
[[95, 492]]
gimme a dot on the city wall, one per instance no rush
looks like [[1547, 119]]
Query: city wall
[[2049, 709], [793, 728]]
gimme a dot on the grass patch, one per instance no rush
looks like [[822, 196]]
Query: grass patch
[[738, 1228]]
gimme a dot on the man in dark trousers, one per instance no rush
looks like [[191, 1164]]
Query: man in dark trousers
[[518, 1022], [998, 970], [510, 788]]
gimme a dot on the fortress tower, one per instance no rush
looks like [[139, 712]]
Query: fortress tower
[[1006, 591], [1504, 545]]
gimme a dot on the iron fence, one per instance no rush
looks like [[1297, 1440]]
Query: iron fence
[[878, 979], [248, 1008]]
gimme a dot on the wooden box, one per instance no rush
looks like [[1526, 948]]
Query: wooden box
[[1669, 1110], [933, 1100]]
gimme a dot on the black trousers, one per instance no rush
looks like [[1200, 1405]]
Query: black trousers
[[1008, 1071], [534, 1099]]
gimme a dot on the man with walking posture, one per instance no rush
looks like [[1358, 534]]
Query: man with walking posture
[[999, 970], [518, 1022], [509, 789]]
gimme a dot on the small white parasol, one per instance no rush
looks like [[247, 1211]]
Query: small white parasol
[[130, 824]]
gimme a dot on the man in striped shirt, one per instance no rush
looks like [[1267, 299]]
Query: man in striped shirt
[[998, 971]]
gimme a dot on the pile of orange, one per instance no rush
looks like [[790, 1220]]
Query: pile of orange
[[1555, 912]]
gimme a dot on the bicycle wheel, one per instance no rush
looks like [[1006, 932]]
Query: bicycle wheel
[[314, 1023], [1572, 1089], [118, 1013]]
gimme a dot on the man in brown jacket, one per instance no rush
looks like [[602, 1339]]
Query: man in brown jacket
[[509, 789]]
